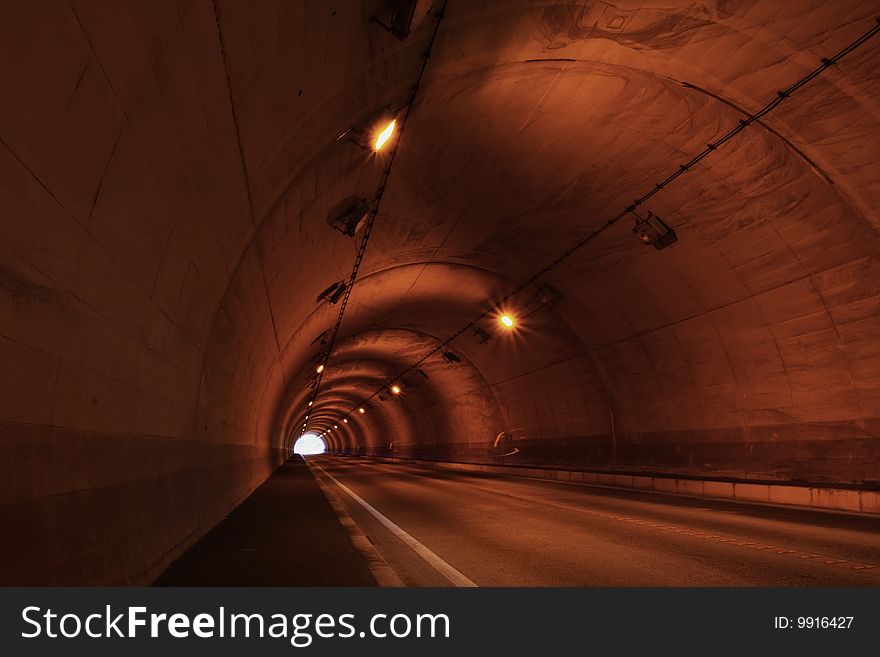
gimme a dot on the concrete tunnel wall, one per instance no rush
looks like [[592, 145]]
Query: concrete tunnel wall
[[167, 169]]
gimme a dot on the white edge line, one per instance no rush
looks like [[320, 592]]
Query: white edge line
[[448, 571], [382, 571]]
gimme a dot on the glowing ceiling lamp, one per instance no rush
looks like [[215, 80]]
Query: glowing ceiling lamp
[[395, 389], [361, 410], [507, 321], [383, 137], [319, 368], [345, 420]]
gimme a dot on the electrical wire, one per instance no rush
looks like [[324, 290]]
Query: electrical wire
[[373, 213], [744, 123]]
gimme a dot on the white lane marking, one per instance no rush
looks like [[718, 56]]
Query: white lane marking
[[384, 573], [677, 529], [448, 571]]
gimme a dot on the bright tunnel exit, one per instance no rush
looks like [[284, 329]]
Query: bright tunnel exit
[[309, 444]]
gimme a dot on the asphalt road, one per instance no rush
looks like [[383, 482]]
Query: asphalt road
[[509, 531]]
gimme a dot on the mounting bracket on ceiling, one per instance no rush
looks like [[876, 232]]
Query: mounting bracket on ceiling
[[481, 335], [349, 216], [451, 357], [401, 18]]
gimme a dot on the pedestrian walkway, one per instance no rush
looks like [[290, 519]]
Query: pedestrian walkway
[[285, 534]]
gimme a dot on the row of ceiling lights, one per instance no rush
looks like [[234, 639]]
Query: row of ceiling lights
[[382, 135], [651, 230], [363, 215], [505, 319]]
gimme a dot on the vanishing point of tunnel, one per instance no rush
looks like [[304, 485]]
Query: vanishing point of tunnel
[[570, 292]]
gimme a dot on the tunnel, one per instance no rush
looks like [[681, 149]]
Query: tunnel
[[580, 253]]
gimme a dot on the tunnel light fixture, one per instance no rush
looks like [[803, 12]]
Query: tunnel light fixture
[[507, 320], [310, 403], [402, 14], [384, 135], [546, 293], [319, 368], [450, 357], [345, 420], [481, 335], [349, 215], [374, 139], [332, 293], [361, 410], [335, 426], [653, 231], [395, 389]]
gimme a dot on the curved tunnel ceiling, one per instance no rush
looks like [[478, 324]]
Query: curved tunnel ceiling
[[566, 115], [179, 161]]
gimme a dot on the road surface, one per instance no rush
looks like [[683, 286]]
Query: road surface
[[441, 528]]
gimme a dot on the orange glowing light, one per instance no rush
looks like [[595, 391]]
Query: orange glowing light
[[507, 320], [319, 369], [385, 135], [395, 389], [361, 410]]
